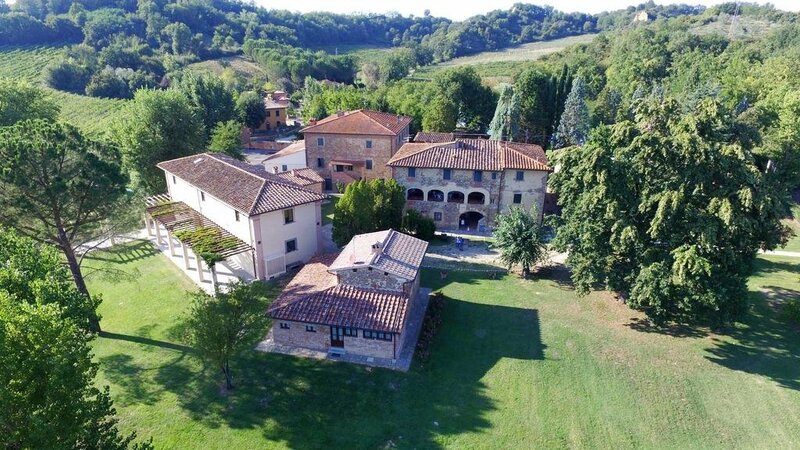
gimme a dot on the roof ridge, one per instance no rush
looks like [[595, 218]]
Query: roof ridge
[[210, 155], [377, 121]]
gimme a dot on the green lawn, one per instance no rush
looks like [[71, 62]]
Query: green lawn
[[328, 209], [794, 223], [517, 364]]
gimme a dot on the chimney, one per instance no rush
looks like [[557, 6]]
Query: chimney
[[274, 169], [376, 248], [339, 113], [398, 118], [312, 121], [294, 172]]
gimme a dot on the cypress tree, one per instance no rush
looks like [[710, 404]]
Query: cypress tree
[[574, 124]]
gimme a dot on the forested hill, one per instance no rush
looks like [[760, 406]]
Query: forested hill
[[120, 46]]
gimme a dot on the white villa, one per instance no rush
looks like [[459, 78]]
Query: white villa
[[260, 223]]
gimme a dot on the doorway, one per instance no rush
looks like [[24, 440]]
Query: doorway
[[469, 221]]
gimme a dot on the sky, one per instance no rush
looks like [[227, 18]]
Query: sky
[[461, 9]]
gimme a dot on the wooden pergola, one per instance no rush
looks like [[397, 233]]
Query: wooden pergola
[[184, 222]]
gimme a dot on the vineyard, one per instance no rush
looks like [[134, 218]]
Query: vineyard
[[93, 115]]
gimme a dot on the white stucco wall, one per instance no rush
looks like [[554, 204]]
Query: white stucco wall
[[296, 160], [305, 228], [267, 232]]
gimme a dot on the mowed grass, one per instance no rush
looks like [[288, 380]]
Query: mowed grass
[[329, 209], [794, 224], [241, 65], [517, 364], [91, 114], [502, 65]]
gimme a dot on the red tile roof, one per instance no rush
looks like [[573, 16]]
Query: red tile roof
[[245, 187], [360, 121], [301, 177], [431, 137], [471, 154], [387, 251], [314, 297]]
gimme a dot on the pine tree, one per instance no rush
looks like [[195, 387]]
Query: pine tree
[[505, 123], [574, 124]]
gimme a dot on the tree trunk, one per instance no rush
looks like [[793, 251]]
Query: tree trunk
[[75, 268], [226, 369]]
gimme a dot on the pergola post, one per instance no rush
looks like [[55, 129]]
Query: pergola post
[[185, 251], [147, 225], [159, 239], [200, 275], [170, 244], [213, 270]]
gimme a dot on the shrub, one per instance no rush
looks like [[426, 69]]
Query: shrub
[[418, 225], [430, 326], [67, 76], [791, 310]]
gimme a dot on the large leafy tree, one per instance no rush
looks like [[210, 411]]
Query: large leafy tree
[[49, 398], [157, 125], [474, 102], [251, 109], [20, 101], [227, 138], [222, 326], [574, 124], [670, 210], [519, 237], [536, 90], [56, 186], [210, 97], [368, 206], [35, 273]]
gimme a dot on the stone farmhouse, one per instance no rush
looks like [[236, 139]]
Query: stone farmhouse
[[362, 302], [267, 222], [350, 145], [465, 183]]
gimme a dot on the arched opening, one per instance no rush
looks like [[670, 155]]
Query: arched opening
[[470, 221], [435, 195], [415, 194], [476, 198], [455, 197]]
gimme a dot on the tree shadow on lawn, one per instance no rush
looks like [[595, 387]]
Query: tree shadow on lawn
[[318, 404], [764, 344]]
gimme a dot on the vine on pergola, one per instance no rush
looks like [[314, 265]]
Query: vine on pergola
[[208, 243]]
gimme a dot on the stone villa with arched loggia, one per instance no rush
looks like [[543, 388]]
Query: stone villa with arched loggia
[[463, 184]]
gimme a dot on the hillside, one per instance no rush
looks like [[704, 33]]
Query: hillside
[[28, 62]]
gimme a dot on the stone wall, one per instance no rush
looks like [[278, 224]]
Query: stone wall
[[460, 181], [498, 189], [297, 336], [367, 277], [353, 147], [532, 188]]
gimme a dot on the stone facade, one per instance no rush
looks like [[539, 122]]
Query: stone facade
[[351, 151], [477, 203]]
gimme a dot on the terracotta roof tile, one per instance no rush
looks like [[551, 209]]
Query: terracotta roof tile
[[433, 137], [397, 253], [471, 154], [361, 121], [314, 297], [245, 187], [301, 177]]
